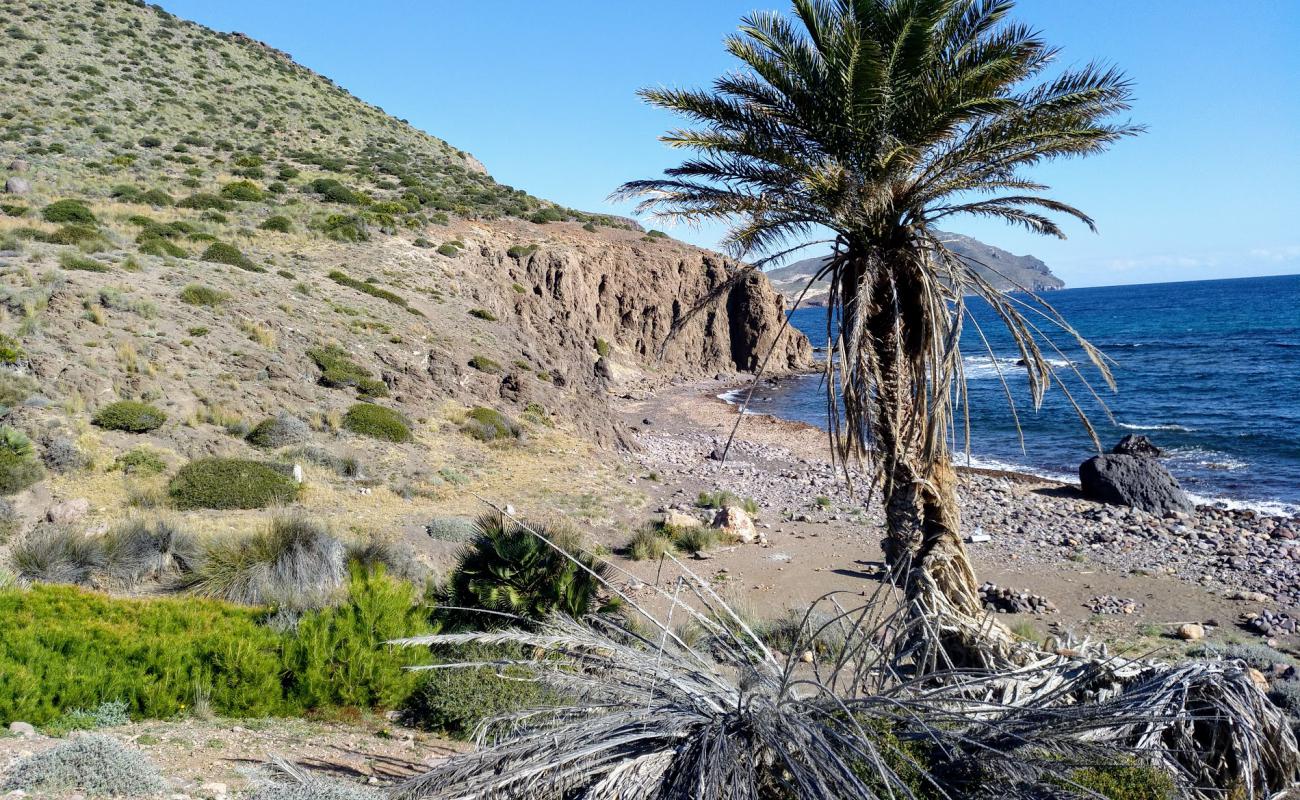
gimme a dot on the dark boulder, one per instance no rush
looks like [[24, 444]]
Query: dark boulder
[[1137, 481], [1135, 444], [603, 369]]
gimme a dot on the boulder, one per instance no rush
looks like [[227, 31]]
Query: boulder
[[676, 519], [736, 523], [68, 511], [23, 729], [1191, 632], [1135, 444], [603, 369], [1136, 481], [18, 166], [17, 186]]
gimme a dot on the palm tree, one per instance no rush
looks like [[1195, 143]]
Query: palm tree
[[874, 120]]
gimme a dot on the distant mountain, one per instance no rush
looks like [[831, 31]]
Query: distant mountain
[[1001, 268]]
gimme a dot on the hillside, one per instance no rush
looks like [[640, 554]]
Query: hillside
[[1004, 270], [193, 221]]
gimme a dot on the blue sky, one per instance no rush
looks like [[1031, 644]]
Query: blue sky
[[543, 94]]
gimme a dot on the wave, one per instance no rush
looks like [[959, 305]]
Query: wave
[[1206, 459], [1160, 426], [1285, 345], [984, 367]]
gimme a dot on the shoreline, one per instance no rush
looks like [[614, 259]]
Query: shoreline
[[1272, 508]]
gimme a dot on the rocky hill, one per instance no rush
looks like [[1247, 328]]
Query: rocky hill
[[192, 220], [1004, 270]]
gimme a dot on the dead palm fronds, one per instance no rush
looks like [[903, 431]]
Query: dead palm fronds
[[881, 714]]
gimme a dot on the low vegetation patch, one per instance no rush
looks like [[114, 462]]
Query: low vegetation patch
[[339, 371], [11, 352], [77, 263], [377, 422], [281, 430], [19, 468], [131, 416], [91, 763], [222, 253], [522, 251], [73, 211], [277, 223], [224, 483], [490, 425], [483, 313], [485, 364], [245, 191], [198, 295], [724, 499], [366, 287]]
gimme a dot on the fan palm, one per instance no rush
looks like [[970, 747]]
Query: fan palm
[[875, 120]]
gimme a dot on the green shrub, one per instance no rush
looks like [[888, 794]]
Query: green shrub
[[11, 352], [1127, 782], [695, 539], [129, 415], [73, 211], [508, 569], [201, 200], [157, 198], [366, 287], [92, 763], [278, 223], [15, 388], [141, 461], [222, 253], [339, 371], [18, 465], [149, 142], [656, 235], [78, 263], [378, 422], [546, 215], [345, 228], [723, 499], [602, 348], [520, 251], [153, 245], [335, 192], [230, 483], [199, 295], [13, 210], [245, 191], [455, 701], [106, 715], [649, 544], [81, 235], [489, 425], [281, 430], [449, 250], [483, 313], [485, 364]]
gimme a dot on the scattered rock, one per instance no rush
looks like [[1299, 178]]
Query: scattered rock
[[68, 511], [1134, 481], [1272, 623], [1013, 601], [676, 519], [1190, 632], [736, 523], [1110, 604]]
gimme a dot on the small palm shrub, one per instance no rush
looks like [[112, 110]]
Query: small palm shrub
[[338, 371], [198, 295], [510, 570], [222, 253], [224, 483], [19, 468], [490, 425], [137, 551], [294, 564], [245, 191], [91, 763], [281, 430], [377, 422], [71, 211], [277, 223], [129, 415], [56, 554]]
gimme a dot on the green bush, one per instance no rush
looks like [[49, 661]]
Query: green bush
[[335, 192], [507, 569], [129, 415], [722, 499], [455, 701], [73, 211], [281, 430], [345, 228], [141, 461], [483, 313], [378, 422], [18, 465], [520, 251], [278, 223], [339, 371], [366, 287], [1127, 782], [222, 253], [78, 263], [245, 191], [149, 142], [602, 348], [201, 200], [11, 352], [199, 295], [485, 364], [489, 425], [656, 235], [546, 215], [15, 388], [230, 483], [81, 235], [449, 250], [649, 544], [157, 198]]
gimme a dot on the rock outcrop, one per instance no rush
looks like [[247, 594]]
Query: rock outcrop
[[1137, 481], [1135, 444]]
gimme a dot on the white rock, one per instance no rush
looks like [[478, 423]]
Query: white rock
[[676, 519], [736, 523], [298, 476], [23, 729]]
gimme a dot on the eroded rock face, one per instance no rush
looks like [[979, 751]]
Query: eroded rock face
[[1137, 481]]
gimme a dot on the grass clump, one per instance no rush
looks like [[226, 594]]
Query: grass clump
[[19, 468], [522, 251], [366, 287], [141, 461], [339, 371], [224, 483], [490, 425], [485, 364], [76, 263], [91, 763], [129, 415], [276, 224], [55, 554], [649, 544], [222, 253], [724, 499], [71, 211], [294, 564], [377, 422], [483, 313], [198, 295], [11, 352], [137, 551]]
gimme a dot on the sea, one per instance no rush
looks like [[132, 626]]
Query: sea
[[1209, 370]]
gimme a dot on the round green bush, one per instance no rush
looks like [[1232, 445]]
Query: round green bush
[[378, 422], [246, 191], [199, 295], [278, 224], [455, 701], [488, 425], [73, 211], [222, 253], [230, 483], [131, 416]]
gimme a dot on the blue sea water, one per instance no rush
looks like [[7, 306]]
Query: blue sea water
[[1210, 370]]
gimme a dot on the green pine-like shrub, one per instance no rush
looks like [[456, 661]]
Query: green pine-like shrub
[[453, 702], [129, 415], [72, 211], [224, 483], [377, 422]]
